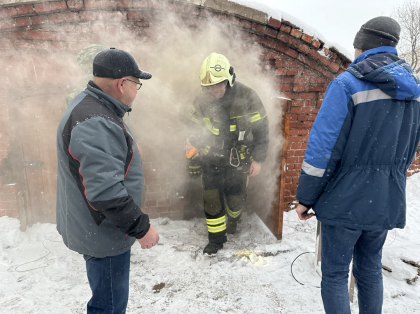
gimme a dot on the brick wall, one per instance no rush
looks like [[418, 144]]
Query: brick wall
[[300, 65]]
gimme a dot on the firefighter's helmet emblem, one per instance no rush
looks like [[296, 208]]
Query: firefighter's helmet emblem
[[218, 68]]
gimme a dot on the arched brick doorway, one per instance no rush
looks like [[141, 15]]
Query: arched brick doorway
[[35, 34]]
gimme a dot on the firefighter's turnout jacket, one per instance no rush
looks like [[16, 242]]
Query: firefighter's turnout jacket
[[231, 132], [237, 120]]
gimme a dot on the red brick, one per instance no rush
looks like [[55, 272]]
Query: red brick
[[271, 32], [285, 87], [290, 153], [266, 41], [15, 34], [24, 9], [333, 66], [302, 117], [8, 12], [124, 3], [307, 38], [281, 72], [293, 132], [291, 72], [286, 79], [295, 145], [22, 21], [39, 19], [135, 15], [56, 18], [316, 43], [258, 27], [296, 33], [286, 50], [71, 16], [274, 23], [291, 186], [75, 4], [311, 117], [150, 203], [285, 28], [93, 4], [292, 160]]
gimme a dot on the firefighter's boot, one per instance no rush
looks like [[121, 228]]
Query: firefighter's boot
[[231, 227], [211, 249]]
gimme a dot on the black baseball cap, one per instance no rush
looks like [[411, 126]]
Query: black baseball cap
[[115, 63]]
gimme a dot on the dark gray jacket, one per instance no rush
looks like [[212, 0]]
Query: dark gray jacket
[[100, 177]]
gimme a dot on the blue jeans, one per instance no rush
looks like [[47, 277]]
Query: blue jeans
[[109, 281], [338, 246]]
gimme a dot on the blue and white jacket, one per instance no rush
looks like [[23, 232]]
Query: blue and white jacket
[[361, 144]]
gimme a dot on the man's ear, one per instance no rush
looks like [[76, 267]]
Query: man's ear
[[120, 84]]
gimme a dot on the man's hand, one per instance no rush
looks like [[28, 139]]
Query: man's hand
[[254, 169], [150, 239], [302, 212]]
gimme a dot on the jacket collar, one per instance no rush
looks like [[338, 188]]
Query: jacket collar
[[374, 51], [110, 102]]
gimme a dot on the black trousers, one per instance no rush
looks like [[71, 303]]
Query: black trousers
[[224, 193]]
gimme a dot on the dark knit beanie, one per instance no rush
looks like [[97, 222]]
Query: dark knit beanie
[[377, 32]]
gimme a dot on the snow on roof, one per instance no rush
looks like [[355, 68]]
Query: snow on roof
[[269, 7]]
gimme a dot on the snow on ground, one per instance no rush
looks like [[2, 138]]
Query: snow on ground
[[38, 274]]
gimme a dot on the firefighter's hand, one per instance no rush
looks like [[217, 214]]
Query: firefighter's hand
[[150, 239], [255, 169], [302, 212]]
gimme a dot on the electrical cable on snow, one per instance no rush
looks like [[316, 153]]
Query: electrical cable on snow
[[44, 256], [291, 269]]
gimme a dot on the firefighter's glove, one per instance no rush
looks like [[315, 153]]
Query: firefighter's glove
[[194, 168]]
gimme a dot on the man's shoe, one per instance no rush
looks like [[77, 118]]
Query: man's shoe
[[212, 248], [231, 227]]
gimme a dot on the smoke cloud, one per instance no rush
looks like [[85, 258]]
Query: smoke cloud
[[172, 51]]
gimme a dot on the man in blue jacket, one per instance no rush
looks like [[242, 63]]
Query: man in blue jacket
[[361, 144], [100, 180]]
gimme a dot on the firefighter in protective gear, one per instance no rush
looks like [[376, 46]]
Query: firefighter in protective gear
[[230, 130], [85, 60]]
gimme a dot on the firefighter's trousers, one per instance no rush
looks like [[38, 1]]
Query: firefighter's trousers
[[224, 198]]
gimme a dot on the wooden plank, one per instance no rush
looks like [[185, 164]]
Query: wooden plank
[[264, 195], [286, 105], [28, 122], [52, 107]]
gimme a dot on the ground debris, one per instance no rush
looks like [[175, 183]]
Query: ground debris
[[412, 263], [412, 281], [156, 288]]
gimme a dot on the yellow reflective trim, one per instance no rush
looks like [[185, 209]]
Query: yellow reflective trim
[[233, 128], [195, 167], [215, 221], [209, 126], [217, 229], [232, 213], [255, 118], [206, 150]]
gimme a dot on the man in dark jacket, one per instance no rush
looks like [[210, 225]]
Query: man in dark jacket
[[231, 130], [100, 180], [362, 142]]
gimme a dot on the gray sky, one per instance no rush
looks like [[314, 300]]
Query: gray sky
[[337, 20]]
